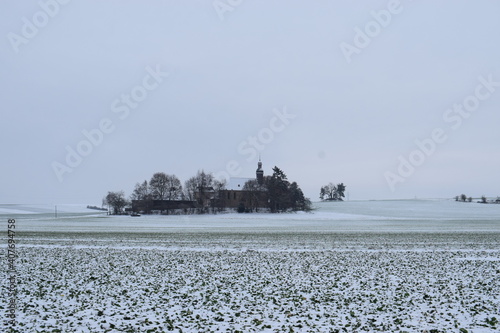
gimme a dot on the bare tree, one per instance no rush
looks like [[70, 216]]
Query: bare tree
[[200, 188], [254, 195], [116, 201], [165, 187], [219, 200], [158, 185], [141, 191], [174, 188], [190, 189]]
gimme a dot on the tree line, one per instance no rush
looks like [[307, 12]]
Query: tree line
[[208, 194], [464, 198]]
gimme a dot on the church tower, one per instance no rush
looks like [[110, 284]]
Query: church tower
[[260, 173]]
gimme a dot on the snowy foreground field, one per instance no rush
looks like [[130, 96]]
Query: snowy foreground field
[[390, 266]]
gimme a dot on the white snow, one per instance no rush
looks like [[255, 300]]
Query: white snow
[[349, 266], [39, 212]]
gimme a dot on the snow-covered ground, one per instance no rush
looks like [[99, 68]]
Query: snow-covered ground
[[377, 216], [353, 266]]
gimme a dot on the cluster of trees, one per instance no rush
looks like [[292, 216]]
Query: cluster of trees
[[160, 187], [276, 193], [464, 198], [95, 207], [203, 189], [168, 187], [115, 201], [332, 192]]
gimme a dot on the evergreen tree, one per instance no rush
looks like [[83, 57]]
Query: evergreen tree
[[277, 187], [284, 196], [340, 191]]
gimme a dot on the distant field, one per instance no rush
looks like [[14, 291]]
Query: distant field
[[362, 266]]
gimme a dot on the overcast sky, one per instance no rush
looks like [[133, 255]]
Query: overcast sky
[[395, 99]]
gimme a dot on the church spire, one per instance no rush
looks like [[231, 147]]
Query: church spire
[[260, 173]]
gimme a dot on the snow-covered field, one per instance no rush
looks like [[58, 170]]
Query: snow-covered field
[[353, 266]]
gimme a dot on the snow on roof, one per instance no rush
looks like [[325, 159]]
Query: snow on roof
[[237, 183]]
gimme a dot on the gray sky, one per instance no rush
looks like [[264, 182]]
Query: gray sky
[[395, 99]]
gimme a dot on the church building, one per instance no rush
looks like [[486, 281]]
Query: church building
[[234, 194]]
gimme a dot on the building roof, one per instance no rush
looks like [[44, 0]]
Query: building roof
[[237, 183]]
